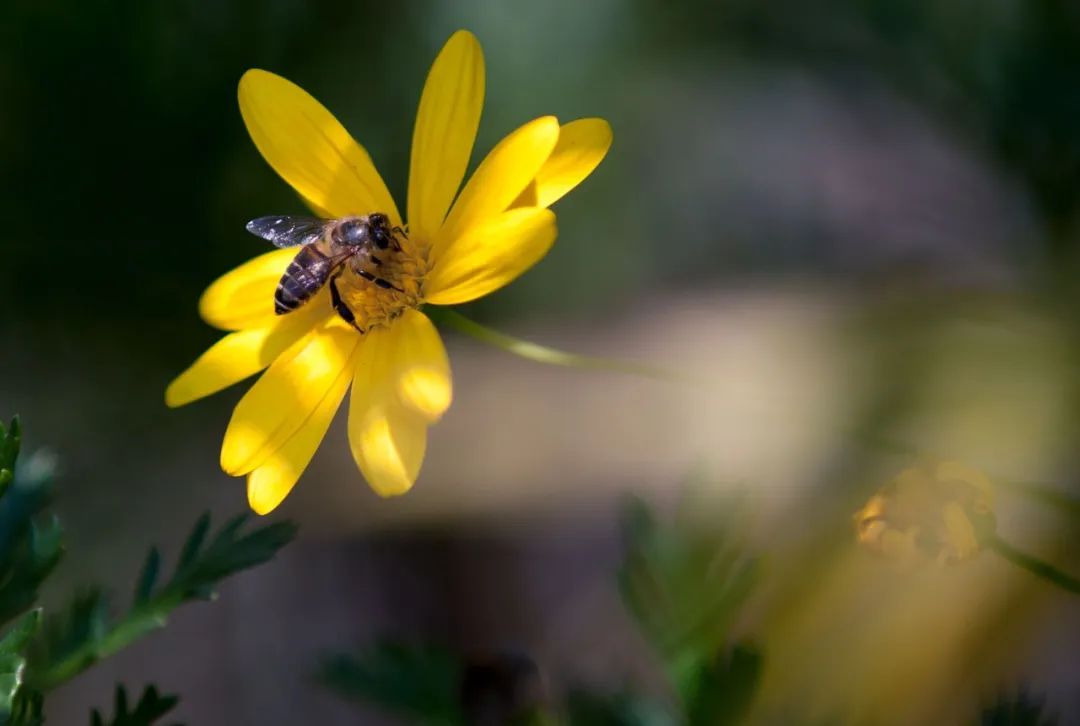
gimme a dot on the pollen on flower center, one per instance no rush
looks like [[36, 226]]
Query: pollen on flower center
[[376, 306]]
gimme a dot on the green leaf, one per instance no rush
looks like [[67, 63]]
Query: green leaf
[[29, 547], [27, 709], [10, 439], [33, 556], [22, 501], [148, 710], [622, 709], [413, 682], [16, 638], [636, 522], [1016, 709], [67, 633], [85, 633], [194, 541], [686, 582], [229, 552], [29, 550], [13, 660], [725, 688], [148, 578]]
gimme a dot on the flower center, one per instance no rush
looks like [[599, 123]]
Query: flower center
[[375, 305]]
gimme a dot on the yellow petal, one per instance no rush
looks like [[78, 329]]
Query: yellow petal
[[287, 395], [582, 146], [388, 444], [311, 151], [421, 366], [960, 539], [490, 255], [235, 357], [387, 437], [272, 481], [445, 130], [244, 296], [500, 178], [899, 545]]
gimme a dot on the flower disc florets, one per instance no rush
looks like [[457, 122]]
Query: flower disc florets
[[376, 306]]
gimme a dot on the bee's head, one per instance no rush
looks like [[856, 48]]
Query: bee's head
[[381, 233]]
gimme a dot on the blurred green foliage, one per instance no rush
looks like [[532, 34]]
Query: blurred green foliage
[[150, 707], [589, 708], [431, 685], [1017, 709], [684, 580], [724, 688], [39, 652], [417, 682]]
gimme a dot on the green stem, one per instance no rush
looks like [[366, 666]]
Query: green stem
[[1042, 493], [550, 356], [1034, 565]]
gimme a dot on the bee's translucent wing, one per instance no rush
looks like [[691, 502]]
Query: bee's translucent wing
[[286, 231]]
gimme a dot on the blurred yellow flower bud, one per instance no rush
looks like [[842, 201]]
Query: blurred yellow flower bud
[[941, 511]]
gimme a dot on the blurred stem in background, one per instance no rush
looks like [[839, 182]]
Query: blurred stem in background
[[550, 356], [1034, 565]]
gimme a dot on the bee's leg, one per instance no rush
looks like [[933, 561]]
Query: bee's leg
[[342, 309], [378, 281]]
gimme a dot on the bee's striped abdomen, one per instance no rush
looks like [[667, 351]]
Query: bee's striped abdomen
[[304, 277]]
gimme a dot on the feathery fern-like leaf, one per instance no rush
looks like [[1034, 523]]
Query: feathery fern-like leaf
[[85, 632]]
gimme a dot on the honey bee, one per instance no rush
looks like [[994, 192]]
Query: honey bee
[[326, 246]]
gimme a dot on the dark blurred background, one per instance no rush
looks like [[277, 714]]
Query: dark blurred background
[[858, 219]]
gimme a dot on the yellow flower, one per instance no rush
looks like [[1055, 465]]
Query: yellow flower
[[459, 247], [940, 511]]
